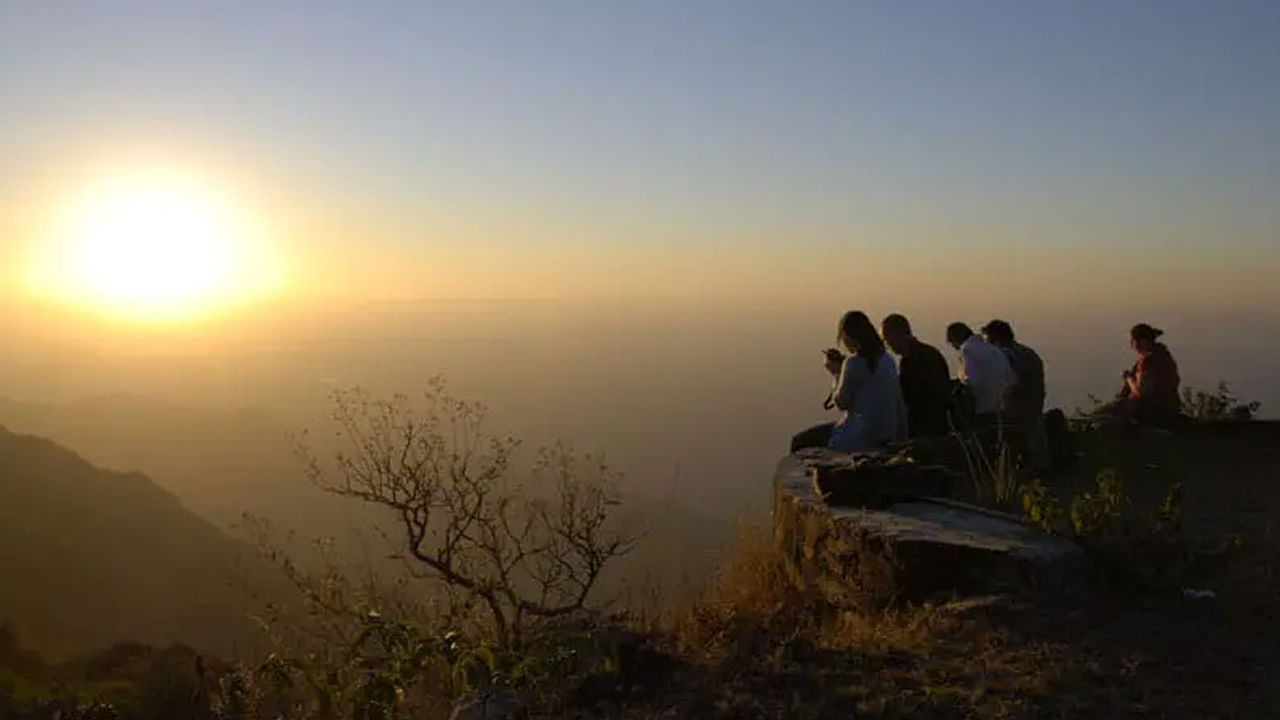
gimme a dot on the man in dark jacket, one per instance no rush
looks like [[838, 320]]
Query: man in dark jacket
[[924, 375], [1024, 403]]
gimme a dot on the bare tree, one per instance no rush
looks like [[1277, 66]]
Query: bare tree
[[444, 481]]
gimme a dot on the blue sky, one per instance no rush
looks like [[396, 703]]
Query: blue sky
[[1112, 127]]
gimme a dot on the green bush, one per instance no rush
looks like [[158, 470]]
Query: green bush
[[125, 682], [1219, 404], [1133, 549]]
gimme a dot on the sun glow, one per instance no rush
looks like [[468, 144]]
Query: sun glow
[[154, 248]]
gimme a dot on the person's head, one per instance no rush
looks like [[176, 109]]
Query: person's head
[[859, 336], [957, 333], [998, 333], [1143, 337], [896, 330]]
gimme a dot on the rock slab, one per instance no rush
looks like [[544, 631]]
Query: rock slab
[[908, 545]]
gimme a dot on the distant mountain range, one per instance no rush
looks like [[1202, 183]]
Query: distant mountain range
[[89, 557]]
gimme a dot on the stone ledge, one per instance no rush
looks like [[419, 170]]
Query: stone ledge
[[909, 547]]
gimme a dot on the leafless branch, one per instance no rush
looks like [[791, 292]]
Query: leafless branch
[[443, 480]]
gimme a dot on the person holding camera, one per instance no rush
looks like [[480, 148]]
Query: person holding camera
[[866, 390], [1150, 390]]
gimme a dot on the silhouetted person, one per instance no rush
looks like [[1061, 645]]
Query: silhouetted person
[[984, 372], [866, 390], [1150, 391], [1024, 400], [923, 375]]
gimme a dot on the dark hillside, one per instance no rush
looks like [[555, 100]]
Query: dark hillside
[[89, 557], [221, 463]]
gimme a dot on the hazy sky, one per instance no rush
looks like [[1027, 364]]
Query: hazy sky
[[1128, 152], [733, 173]]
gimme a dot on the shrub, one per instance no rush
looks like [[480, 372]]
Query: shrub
[[1133, 549], [1040, 506], [752, 593], [487, 572], [1218, 404], [443, 480]]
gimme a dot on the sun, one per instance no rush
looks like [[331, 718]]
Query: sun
[[153, 248]]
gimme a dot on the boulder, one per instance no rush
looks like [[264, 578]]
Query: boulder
[[867, 530]]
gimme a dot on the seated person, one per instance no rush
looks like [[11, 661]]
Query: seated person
[[924, 377], [985, 373], [1024, 401], [866, 390], [1150, 391]]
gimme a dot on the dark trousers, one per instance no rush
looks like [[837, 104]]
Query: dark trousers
[[816, 436], [1129, 410]]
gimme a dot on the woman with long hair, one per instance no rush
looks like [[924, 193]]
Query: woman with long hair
[[866, 390]]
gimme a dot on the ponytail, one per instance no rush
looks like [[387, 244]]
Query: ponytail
[[1143, 331]]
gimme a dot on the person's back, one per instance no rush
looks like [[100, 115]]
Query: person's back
[[1157, 383], [923, 376], [986, 372], [926, 389], [1026, 396], [872, 400]]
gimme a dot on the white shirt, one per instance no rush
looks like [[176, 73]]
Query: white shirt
[[986, 372], [874, 413]]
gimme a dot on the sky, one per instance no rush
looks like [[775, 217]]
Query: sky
[[1044, 153], [633, 226]]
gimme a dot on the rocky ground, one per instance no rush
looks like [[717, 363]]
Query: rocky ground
[[1205, 643]]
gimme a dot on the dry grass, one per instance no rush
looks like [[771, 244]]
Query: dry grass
[[758, 646], [753, 592], [765, 647], [756, 595]]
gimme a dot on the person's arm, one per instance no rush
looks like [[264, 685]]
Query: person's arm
[[1139, 381], [940, 375], [1010, 377], [1038, 386], [1005, 372], [970, 363], [833, 361], [944, 367], [853, 374], [1155, 377], [1134, 385]]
